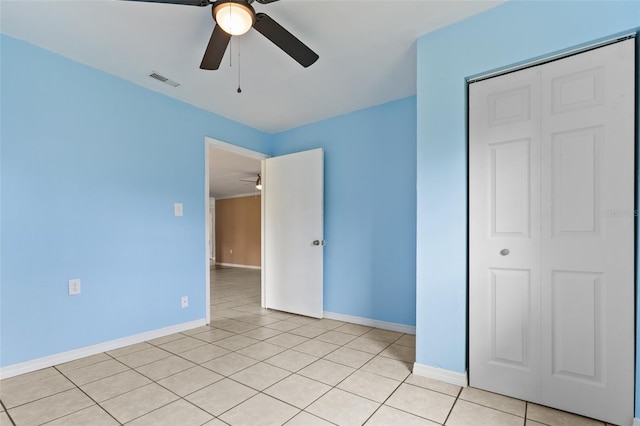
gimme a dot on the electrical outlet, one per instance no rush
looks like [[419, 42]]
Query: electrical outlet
[[177, 209], [230, 251], [74, 287], [184, 301]]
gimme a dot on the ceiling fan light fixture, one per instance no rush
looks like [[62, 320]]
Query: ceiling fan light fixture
[[234, 17]]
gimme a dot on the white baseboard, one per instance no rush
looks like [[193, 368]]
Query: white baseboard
[[447, 376], [48, 361], [393, 326], [235, 265]]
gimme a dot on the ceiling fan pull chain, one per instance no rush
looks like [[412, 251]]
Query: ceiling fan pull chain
[[239, 89], [231, 41], [230, 52]]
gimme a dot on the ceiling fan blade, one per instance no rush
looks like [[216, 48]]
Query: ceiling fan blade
[[286, 41], [183, 2], [266, 1], [215, 49]]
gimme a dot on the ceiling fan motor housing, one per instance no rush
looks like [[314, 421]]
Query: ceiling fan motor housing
[[243, 4]]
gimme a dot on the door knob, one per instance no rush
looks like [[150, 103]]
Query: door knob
[[318, 242], [504, 252]]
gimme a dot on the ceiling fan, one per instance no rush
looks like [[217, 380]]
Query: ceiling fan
[[258, 182], [236, 17]]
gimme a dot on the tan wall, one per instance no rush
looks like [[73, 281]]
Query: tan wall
[[238, 231]]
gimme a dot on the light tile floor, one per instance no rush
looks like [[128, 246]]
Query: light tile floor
[[253, 366]]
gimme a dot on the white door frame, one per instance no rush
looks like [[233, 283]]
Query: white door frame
[[212, 231], [211, 142]]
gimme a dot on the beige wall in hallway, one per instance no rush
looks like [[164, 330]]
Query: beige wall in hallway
[[238, 231]]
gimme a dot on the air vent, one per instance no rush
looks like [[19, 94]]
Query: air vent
[[164, 79]]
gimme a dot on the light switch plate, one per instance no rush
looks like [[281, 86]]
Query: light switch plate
[[74, 287], [177, 209]]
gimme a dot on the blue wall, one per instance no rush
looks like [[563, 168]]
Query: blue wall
[[370, 194], [90, 168], [512, 33]]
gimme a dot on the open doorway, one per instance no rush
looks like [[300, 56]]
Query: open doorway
[[233, 223]]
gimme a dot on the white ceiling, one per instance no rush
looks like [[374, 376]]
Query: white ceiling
[[231, 174], [366, 48]]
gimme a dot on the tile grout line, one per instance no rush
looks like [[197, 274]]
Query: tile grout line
[[352, 373], [169, 390], [179, 397], [319, 358], [131, 390], [386, 399], [323, 357], [55, 367], [455, 401], [224, 377], [480, 404], [291, 373], [4, 407], [273, 384], [87, 395]]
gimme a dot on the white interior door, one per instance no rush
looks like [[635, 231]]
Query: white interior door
[[504, 199], [552, 181], [293, 197]]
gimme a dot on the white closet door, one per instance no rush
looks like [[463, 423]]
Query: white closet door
[[504, 199], [588, 235], [552, 181]]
